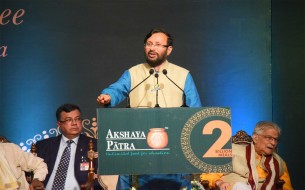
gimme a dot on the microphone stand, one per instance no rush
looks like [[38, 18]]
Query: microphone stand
[[128, 101], [151, 71], [184, 100], [183, 96], [157, 90]]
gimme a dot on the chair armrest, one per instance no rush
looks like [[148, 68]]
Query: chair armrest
[[91, 175], [280, 184]]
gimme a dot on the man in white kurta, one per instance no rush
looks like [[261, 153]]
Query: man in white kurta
[[14, 162]]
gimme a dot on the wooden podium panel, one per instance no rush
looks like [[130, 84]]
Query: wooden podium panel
[[164, 140]]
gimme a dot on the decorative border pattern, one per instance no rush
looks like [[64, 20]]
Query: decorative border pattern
[[185, 140], [90, 129]]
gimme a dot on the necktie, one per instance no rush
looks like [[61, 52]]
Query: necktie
[[61, 173]]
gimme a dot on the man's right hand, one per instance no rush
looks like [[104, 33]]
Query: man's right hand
[[222, 185], [103, 99]]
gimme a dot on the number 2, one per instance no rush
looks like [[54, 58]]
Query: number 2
[[224, 137]]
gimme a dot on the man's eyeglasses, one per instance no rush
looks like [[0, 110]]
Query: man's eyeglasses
[[70, 120], [149, 45], [269, 138]]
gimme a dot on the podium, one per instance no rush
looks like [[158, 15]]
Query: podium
[[164, 140]]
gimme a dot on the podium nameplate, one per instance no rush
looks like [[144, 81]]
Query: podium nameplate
[[164, 140]]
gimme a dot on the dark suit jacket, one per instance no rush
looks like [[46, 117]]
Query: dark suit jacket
[[48, 149]]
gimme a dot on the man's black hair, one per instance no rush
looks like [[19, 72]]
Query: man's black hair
[[170, 39], [66, 108]]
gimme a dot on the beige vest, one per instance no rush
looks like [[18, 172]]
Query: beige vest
[[169, 95]]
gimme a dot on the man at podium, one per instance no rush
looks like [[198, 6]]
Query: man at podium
[[156, 83]]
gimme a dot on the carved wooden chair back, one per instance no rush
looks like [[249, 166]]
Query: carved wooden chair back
[[30, 175], [241, 137], [3, 139]]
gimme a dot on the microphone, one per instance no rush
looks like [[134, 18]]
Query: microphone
[[164, 71], [151, 71], [157, 90]]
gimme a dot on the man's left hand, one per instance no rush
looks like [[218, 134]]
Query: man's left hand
[[36, 185]]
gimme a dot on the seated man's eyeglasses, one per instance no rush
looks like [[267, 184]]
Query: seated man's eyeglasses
[[269, 138], [70, 120]]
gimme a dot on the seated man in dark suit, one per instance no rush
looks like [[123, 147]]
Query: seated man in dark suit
[[66, 154]]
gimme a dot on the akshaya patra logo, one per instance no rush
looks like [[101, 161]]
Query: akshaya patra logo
[[157, 138]]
